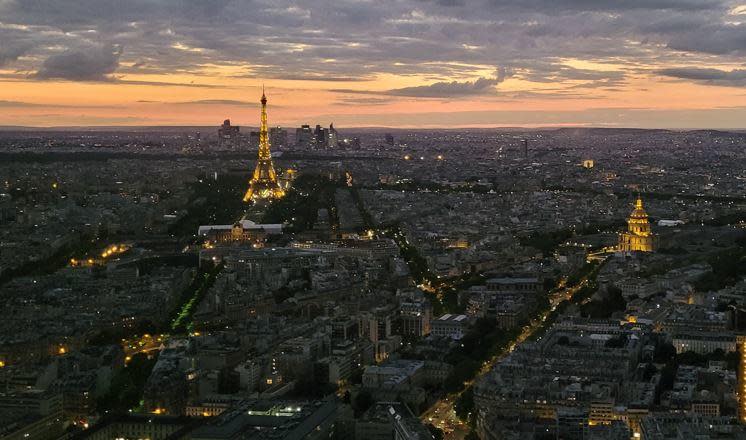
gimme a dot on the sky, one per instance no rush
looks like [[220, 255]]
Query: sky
[[395, 63]]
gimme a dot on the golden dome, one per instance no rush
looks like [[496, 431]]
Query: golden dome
[[639, 211]]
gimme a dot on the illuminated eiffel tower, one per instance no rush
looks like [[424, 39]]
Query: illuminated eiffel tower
[[263, 184]]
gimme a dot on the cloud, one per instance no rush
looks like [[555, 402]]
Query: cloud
[[218, 102], [279, 73], [735, 78], [210, 102], [615, 5], [24, 104], [454, 89], [93, 64], [359, 101], [352, 41], [714, 38], [11, 50], [16, 104], [168, 84]]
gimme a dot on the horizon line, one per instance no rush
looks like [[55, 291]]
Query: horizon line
[[373, 127]]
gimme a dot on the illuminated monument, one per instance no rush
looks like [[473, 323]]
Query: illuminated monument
[[263, 184], [638, 237]]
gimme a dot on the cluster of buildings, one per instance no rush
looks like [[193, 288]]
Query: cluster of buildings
[[305, 138], [324, 332]]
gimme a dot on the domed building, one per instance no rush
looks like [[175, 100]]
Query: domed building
[[639, 236]]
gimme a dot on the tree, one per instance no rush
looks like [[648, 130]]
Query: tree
[[436, 432], [611, 302], [462, 372], [362, 402], [464, 405], [472, 436]]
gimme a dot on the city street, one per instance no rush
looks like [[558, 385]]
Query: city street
[[443, 415]]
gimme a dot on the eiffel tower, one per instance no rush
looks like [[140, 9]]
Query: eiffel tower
[[263, 184]]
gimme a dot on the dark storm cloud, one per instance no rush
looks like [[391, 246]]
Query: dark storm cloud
[[735, 78], [92, 64], [321, 40]]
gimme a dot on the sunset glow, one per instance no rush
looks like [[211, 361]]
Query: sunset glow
[[360, 63]]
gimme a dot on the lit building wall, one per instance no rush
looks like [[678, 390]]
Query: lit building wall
[[742, 380]]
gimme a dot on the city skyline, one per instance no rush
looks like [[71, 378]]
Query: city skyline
[[408, 64]]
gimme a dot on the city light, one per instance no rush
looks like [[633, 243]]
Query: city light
[[487, 221], [742, 378]]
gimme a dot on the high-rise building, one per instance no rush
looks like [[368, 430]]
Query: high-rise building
[[332, 137], [254, 139], [390, 139], [229, 136], [303, 136], [320, 136], [278, 137], [639, 236], [263, 184]]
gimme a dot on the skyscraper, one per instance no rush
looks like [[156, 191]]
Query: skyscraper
[[254, 139], [389, 139], [332, 137], [278, 137], [303, 136], [263, 184], [320, 136], [229, 135]]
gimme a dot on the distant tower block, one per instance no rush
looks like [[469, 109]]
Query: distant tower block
[[639, 236], [263, 184]]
